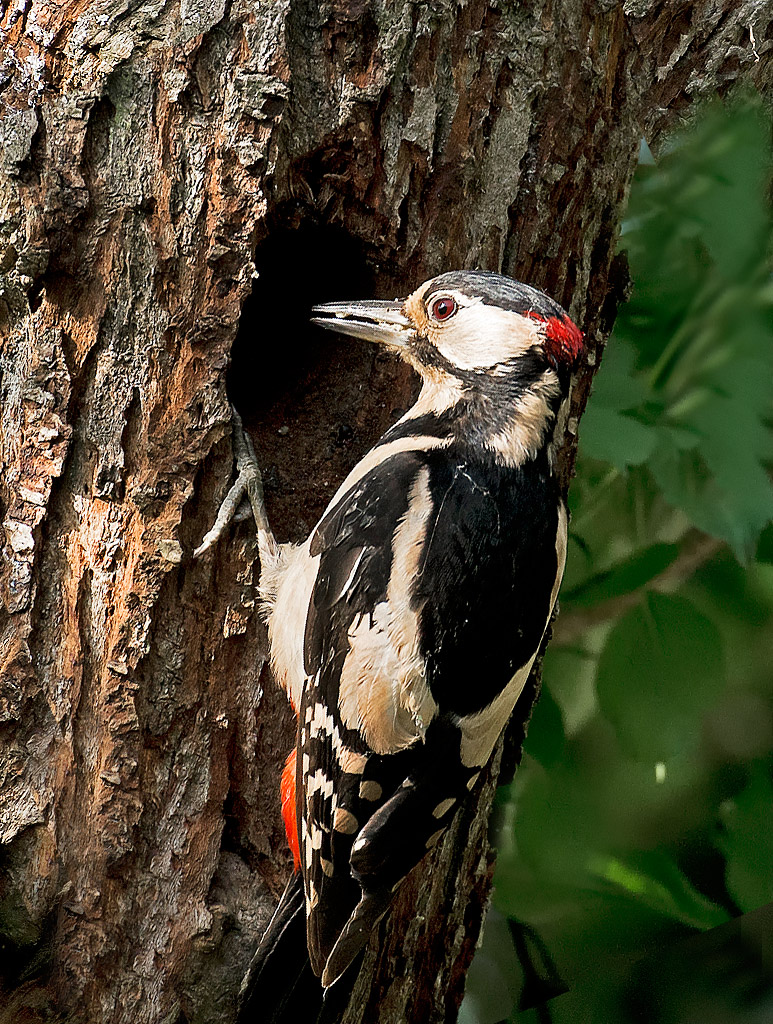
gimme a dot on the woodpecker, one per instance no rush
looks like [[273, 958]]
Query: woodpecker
[[403, 630]]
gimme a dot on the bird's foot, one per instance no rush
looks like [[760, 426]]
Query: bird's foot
[[244, 498]]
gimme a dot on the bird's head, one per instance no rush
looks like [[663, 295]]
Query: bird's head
[[472, 326], [496, 357]]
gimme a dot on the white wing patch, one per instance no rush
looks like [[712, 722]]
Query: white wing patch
[[383, 690], [286, 585]]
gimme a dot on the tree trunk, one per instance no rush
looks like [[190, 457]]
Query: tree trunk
[[154, 155]]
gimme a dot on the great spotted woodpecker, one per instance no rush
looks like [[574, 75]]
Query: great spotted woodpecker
[[405, 627]]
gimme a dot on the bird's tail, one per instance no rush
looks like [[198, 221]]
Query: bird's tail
[[280, 986]]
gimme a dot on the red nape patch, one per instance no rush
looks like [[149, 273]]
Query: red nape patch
[[289, 816], [563, 339], [566, 338]]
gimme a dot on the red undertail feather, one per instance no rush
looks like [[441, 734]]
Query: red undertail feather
[[288, 808]]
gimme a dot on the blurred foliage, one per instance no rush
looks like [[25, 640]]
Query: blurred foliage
[[643, 809]]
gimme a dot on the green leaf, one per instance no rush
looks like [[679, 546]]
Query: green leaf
[[661, 667], [554, 836], [653, 878], [696, 339], [494, 978], [737, 173], [569, 674], [724, 485], [735, 513], [619, 387], [623, 578], [765, 545], [616, 438], [545, 740], [748, 843]]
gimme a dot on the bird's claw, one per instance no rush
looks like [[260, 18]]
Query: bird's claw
[[244, 497]]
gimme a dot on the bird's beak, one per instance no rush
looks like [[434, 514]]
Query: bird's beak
[[379, 321]]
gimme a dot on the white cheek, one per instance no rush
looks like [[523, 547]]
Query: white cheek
[[480, 336]]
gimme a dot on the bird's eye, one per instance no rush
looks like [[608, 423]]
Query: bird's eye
[[443, 308]]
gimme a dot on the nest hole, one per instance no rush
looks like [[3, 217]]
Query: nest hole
[[313, 401]]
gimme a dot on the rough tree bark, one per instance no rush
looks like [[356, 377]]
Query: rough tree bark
[[154, 154]]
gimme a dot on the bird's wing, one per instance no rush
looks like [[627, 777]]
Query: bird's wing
[[363, 697], [435, 583]]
